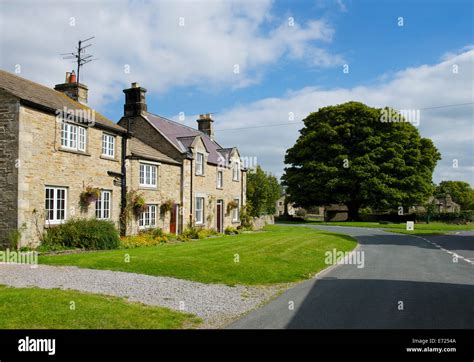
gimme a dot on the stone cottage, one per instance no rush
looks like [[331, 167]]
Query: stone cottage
[[204, 182], [54, 149]]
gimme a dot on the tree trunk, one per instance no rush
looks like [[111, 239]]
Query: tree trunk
[[353, 211]]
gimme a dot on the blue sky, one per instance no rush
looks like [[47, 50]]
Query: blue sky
[[283, 69], [367, 36]]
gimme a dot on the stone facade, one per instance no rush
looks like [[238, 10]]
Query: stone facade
[[9, 106], [168, 188], [45, 163], [206, 186]]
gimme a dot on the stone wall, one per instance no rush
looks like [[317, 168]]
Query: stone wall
[[9, 107], [260, 222], [45, 163]]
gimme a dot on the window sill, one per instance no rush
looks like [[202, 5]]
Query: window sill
[[145, 187], [108, 158], [233, 180], [200, 175], [53, 224], [219, 188], [70, 150]]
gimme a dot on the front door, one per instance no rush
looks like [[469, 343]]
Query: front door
[[219, 215], [173, 218]]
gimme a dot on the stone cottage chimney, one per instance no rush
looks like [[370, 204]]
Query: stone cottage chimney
[[205, 122], [135, 102], [74, 90]]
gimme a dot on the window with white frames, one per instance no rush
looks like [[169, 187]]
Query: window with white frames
[[55, 204], [199, 164], [199, 208], [73, 137], [102, 205], [148, 217], [220, 179], [236, 171], [108, 145], [236, 211], [148, 175]]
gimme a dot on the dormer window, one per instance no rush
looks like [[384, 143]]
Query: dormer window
[[73, 137], [199, 164]]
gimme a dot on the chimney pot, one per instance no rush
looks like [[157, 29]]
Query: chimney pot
[[72, 89], [72, 77]]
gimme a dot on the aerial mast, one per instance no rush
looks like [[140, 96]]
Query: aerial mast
[[79, 57]]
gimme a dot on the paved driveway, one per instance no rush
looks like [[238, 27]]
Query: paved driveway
[[406, 282]]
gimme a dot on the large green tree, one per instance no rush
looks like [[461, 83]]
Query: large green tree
[[460, 191], [351, 154], [263, 190]]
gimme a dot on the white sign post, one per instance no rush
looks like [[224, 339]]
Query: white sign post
[[410, 225]]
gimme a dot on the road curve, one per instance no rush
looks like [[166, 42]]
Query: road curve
[[406, 282]]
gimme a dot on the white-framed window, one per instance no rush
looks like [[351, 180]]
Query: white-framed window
[[103, 204], [199, 164], [55, 204], [108, 145], [236, 171], [148, 217], [236, 211], [73, 137], [220, 179], [199, 210], [148, 175]]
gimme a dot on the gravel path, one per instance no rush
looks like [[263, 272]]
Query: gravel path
[[216, 304]]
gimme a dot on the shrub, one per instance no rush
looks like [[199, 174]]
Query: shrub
[[205, 233], [190, 233], [91, 234], [245, 218], [301, 212], [230, 230], [141, 240]]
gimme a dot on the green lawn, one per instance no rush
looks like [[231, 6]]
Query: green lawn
[[277, 255], [431, 228], [32, 308]]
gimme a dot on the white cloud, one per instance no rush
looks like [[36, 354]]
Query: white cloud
[[147, 36], [451, 128]]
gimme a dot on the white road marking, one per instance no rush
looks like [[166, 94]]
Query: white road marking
[[445, 250]]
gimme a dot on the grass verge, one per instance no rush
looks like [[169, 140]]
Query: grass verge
[[33, 308], [280, 254]]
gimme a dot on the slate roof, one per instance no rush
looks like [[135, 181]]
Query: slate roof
[[139, 149], [47, 97], [183, 136]]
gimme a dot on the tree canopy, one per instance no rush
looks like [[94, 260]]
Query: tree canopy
[[460, 191], [348, 154], [263, 190]]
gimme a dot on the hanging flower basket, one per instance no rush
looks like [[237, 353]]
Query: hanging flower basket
[[166, 206], [138, 205], [231, 205], [89, 195]]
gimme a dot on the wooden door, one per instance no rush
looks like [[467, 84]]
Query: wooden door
[[174, 217]]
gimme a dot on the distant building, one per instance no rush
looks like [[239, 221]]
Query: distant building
[[443, 205]]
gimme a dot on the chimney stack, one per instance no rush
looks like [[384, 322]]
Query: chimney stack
[[72, 89], [135, 102], [205, 122]]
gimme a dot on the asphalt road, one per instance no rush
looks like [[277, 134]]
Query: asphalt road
[[406, 282]]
